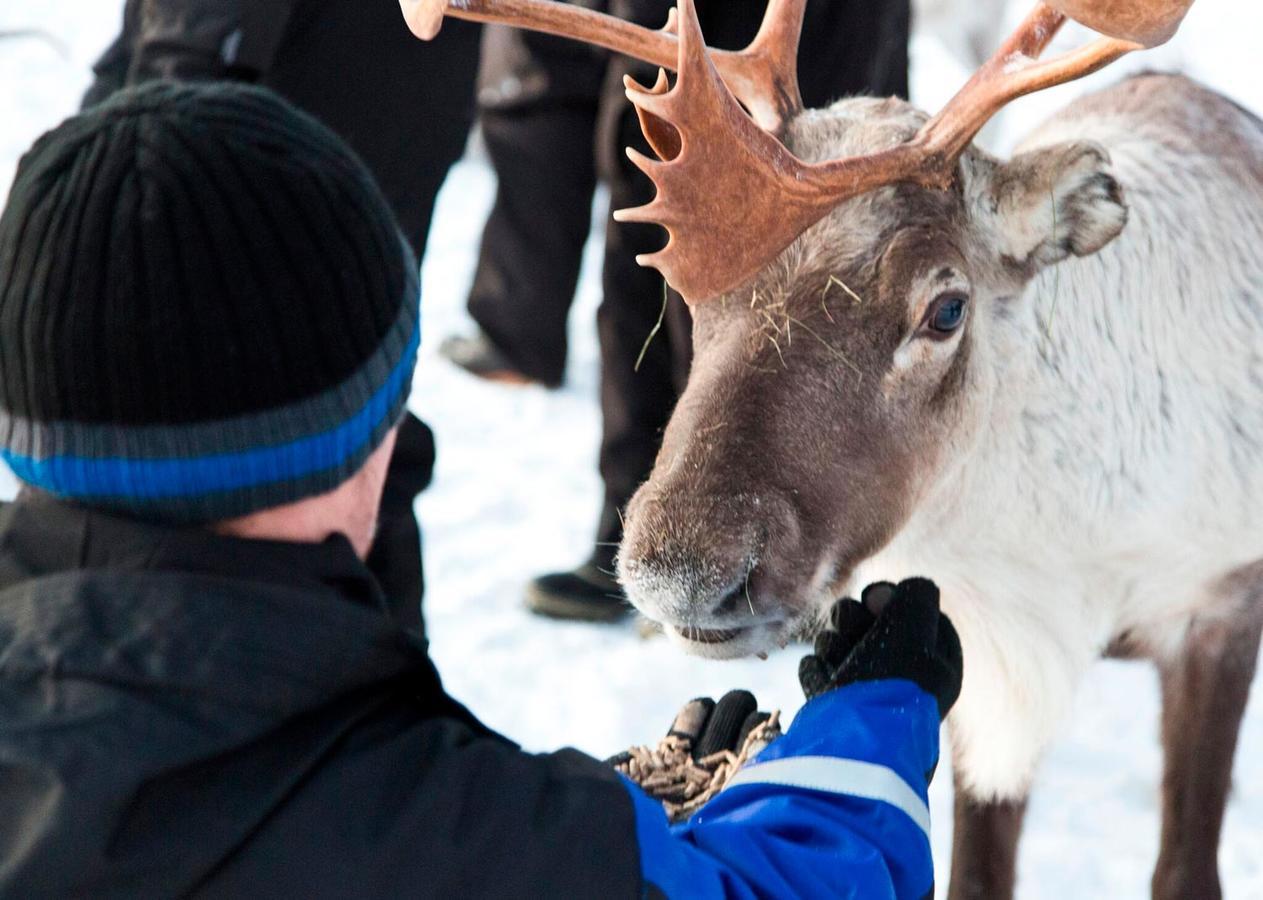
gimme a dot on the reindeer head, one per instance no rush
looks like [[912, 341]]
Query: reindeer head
[[832, 391], [850, 261]]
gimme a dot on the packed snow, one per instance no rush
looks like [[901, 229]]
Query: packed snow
[[516, 494]]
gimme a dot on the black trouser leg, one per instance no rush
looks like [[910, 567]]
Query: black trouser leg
[[641, 377], [537, 99], [642, 370], [405, 106], [848, 47], [184, 40], [854, 47], [532, 244]]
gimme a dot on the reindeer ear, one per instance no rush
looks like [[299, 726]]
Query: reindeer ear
[[1054, 201]]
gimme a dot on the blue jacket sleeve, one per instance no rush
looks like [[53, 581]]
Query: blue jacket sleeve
[[835, 808]]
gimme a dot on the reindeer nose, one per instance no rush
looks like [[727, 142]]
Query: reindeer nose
[[679, 586], [686, 595], [689, 560]]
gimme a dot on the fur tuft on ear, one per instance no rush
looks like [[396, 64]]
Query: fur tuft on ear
[[1056, 201]]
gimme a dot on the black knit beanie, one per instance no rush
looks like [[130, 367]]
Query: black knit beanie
[[206, 307]]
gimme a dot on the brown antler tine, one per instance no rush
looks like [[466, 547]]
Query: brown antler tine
[[1147, 22], [424, 17], [764, 76], [730, 193], [661, 134], [727, 165], [778, 41], [1012, 72], [562, 19]]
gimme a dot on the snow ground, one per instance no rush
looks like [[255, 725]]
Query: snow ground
[[516, 494]]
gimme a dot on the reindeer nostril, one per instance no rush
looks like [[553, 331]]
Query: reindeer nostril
[[738, 598], [727, 604]]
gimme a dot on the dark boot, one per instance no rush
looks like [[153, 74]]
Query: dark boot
[[478, 356], [589, 593]]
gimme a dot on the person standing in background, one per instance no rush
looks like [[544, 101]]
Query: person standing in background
[[555, 117], [404, 107]]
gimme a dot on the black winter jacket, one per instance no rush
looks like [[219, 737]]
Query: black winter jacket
[[182, 713]]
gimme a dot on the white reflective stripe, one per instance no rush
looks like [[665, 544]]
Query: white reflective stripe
[[839, 776]]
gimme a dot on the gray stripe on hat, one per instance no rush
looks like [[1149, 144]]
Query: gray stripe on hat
[[303, 418]]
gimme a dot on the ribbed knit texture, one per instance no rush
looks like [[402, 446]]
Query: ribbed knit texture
[[205, 306]]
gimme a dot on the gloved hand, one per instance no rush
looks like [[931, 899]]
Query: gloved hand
[[711, 727], [707, 744], [893, 632]]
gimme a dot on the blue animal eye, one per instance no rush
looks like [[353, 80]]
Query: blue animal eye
[[946, 313]]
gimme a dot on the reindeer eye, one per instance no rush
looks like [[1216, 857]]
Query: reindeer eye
[[946, 313]]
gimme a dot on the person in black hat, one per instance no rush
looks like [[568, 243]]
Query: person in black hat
[[554, 116], [208, 328], [231, 324], [406, 108]]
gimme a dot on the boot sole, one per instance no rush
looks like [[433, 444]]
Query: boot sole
[[554, 606]]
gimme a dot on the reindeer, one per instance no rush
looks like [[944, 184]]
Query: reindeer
[[1036, 380]]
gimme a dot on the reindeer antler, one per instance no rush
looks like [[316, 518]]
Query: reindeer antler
[[1012, 72], [729, 192], [732, 196], [1147, 22]]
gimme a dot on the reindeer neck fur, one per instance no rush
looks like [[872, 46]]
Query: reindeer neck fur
[[1112, 480]]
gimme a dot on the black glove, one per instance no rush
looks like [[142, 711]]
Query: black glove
[[711, 727], [894, 632]]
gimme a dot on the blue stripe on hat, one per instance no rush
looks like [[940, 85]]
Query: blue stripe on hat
[[86, 478]]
